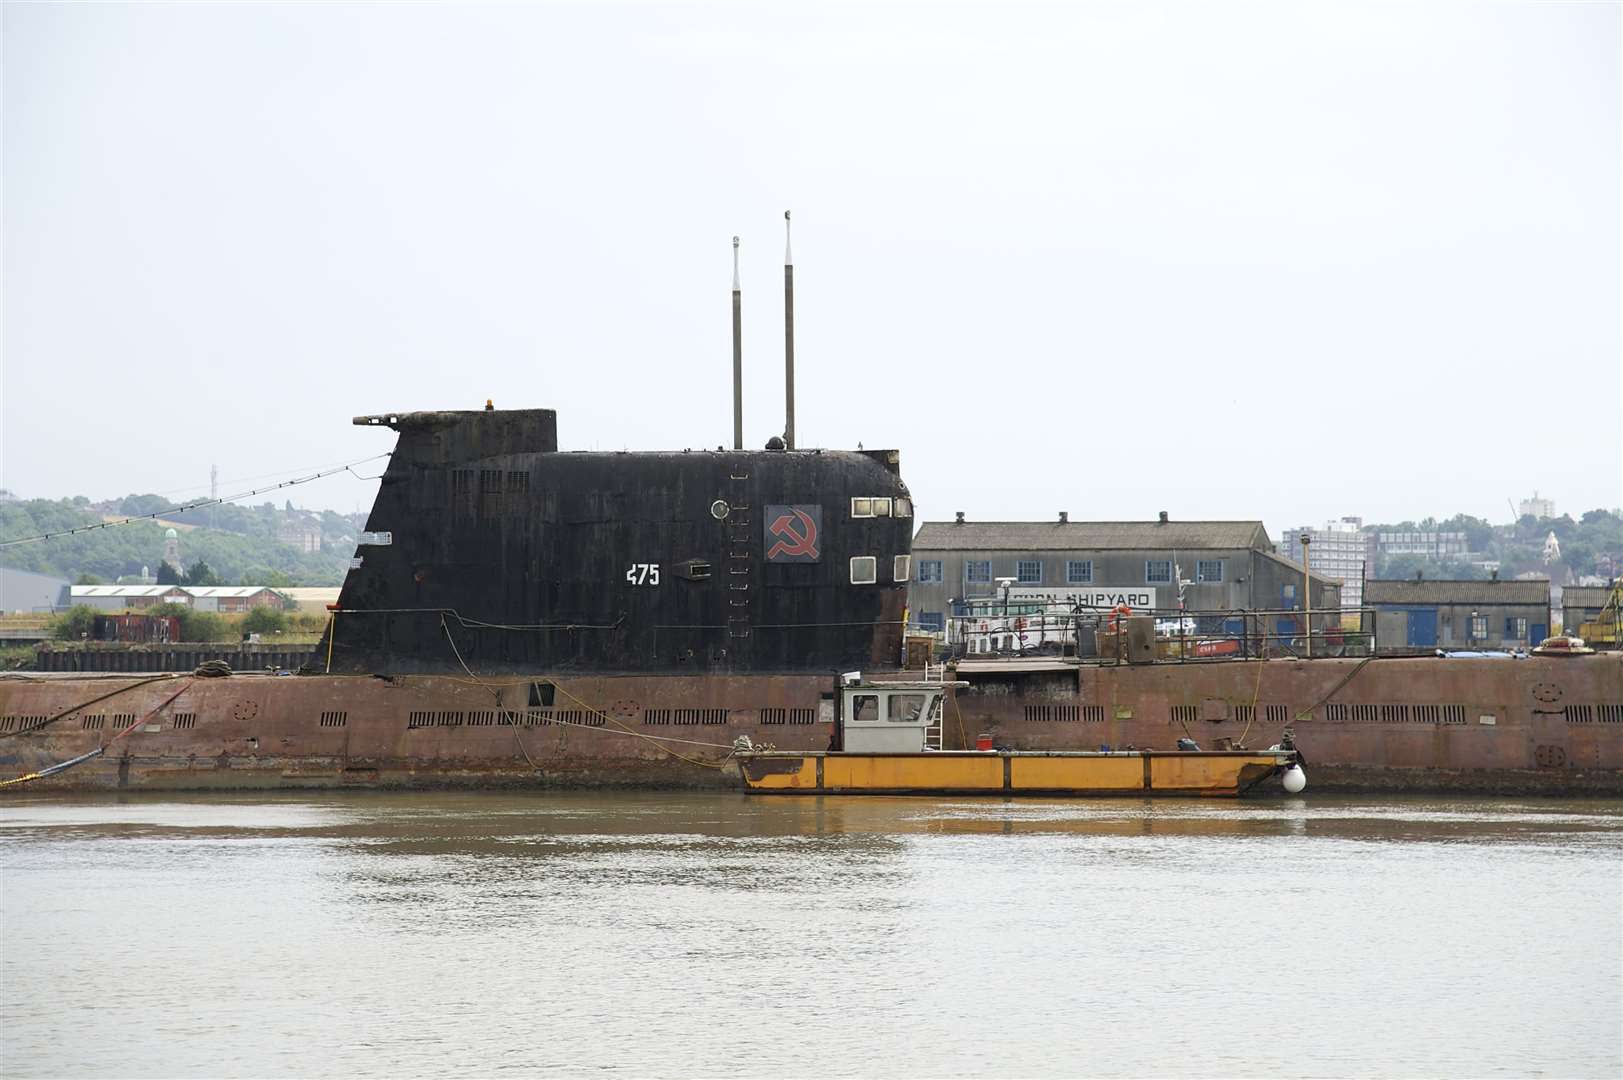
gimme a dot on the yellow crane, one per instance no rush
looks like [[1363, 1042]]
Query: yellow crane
[[1603, 630]]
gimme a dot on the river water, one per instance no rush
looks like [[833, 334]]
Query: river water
[[680, 934]]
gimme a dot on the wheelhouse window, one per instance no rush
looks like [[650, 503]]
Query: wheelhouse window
[[864, 570], [905, 708], [929, 570], [978, 571], [1157, 571], [1029, 571], [865, 708], [901, 567], [1079, 572], [1209, 570]]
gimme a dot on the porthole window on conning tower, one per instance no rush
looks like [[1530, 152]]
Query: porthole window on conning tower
[[719, 509]]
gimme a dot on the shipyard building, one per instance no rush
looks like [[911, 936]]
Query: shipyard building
[[1223, 567], [1581, 604], [1419, 616], [1341, 551]]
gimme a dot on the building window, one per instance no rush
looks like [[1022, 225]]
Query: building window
[[1479, 627], [929, 570], [1029, 571], [900, 567], [1157, 570], [1516, 629], [864, 569], [1287, 596], [978, 572], [1209, 570], [933, 621], [1079, 572]]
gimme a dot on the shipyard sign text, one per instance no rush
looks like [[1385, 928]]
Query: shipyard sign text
[[1137, 597]]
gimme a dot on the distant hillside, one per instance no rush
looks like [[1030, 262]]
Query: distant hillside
[[241, 543], [1591, 546]]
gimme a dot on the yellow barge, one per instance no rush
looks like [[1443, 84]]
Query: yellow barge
[[883, 738]]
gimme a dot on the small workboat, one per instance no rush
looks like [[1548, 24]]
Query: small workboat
[[887, 738]]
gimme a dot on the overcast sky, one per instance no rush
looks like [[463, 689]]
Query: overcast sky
[[1231, 261]]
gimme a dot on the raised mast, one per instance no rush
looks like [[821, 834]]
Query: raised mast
[[788, 337], [738, 355]]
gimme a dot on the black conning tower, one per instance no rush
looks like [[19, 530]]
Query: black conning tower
[[489, 548]]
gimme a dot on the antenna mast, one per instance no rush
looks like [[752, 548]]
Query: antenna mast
[[738, 355], [788, 337]]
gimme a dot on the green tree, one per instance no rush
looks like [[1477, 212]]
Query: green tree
[[200, 574], [264, 620], [75, 623], [195, 625], [88, 579], [168, 575], [135, 505]]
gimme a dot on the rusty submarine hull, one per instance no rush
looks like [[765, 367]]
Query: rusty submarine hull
[[520, 616]]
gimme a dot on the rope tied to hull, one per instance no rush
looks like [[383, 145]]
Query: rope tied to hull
[[617, 727], [63, 766]]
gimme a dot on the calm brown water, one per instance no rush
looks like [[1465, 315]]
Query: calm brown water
[[414, 935]]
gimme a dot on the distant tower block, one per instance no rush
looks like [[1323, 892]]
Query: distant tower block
[[171, 548]]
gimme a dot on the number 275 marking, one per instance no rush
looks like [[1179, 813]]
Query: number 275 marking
[[642, 573]]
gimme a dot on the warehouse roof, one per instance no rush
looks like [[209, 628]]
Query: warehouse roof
[[122, 590], [1090, 536], [1296, 567], [1584, 595], [1410, 591]]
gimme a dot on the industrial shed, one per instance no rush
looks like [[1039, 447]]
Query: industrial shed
[[1419, 616]]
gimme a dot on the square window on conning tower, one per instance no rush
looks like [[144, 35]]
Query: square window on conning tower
[[861, 508], [864, 569]]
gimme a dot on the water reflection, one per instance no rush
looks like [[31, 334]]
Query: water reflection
[[379, 934]]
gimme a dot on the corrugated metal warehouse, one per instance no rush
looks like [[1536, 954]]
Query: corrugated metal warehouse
[[1418, 616], [1229, 566]]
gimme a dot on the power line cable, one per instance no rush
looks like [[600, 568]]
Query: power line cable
[[349, 468]]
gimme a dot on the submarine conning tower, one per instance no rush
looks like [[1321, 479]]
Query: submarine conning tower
[[490, 550]]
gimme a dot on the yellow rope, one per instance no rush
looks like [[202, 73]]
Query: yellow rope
[[1256, 694]]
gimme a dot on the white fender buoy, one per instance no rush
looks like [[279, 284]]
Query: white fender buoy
[[1295, 779]]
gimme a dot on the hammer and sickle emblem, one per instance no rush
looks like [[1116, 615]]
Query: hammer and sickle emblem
[[792, 541]]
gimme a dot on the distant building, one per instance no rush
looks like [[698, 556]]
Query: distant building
[[1224, 566], [128, 597], [171, 550], [1419, 616], [23, 592], [230, 599], [222, 598], [301, 532], [1539, 508], [1427, 543], [1341, 551], [1581, 604]]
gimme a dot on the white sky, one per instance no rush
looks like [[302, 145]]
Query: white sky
[[1231, 261]]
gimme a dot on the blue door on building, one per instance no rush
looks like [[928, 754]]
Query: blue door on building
[[1423, 628], [1539, 632]]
